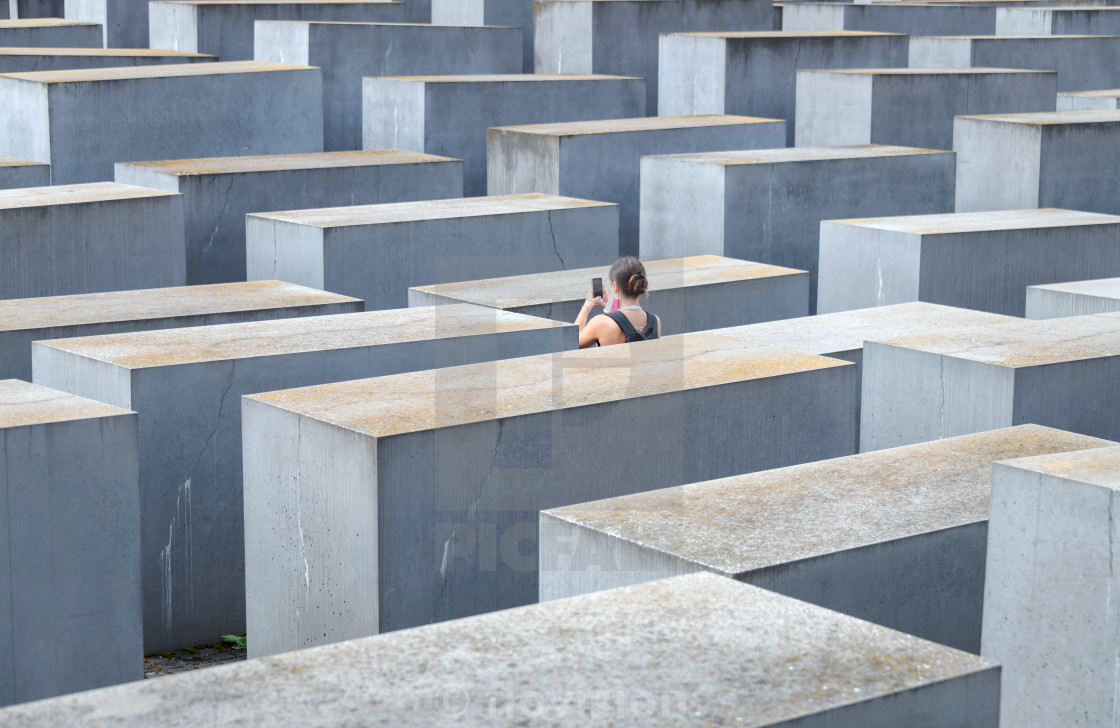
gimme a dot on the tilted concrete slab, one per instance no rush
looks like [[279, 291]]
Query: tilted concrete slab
[[349, 51], [1052, 525], [877, 106], [433, 481], [383, 250], [70, 556], [695, 204], [1077, 298], [506, 13], [897, 537], [67, 239], [185, 384], [28, 60], [24, 320], [692, 651], [1061, 159], [1059, 373], [688, 294], [600, 160], [16, 173], [878, 261], [449, 115], [191, 110], [49, 33], [219, 192], [1089, 100], [892, 17], [755, 74], [1057, 21]]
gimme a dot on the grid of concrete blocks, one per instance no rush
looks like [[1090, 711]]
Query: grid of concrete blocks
[[289, 352]]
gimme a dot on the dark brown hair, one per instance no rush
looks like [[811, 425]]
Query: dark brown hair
[[630, 275]]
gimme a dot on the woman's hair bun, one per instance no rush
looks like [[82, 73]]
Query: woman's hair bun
[[637, 284], [630, 276]]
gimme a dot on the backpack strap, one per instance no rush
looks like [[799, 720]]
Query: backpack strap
[[624, 323], [652, 323]]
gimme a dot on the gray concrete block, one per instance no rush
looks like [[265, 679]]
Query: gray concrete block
[[877, 106], [1057, 21], [1079, 298], [892, 17], [219, 192], [1063, 159], [49, 33], [383, 250], [185, 384], [709, 203], [70, 557], [32, 9], [688, 294], [1065, 54], [57, 241], [507, 13], [1089, 100], [692, 651], [977, 260], [194, 110], [755, 74], [349, 51], [449, 115], [225, 28], [1049, 610], [24, 320], [599, 160], [27, 60], [433, 481], [23, 173], [1059, 373], [620, 37], [897, 537]]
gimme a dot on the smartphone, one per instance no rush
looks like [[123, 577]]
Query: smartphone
[[597, 287]]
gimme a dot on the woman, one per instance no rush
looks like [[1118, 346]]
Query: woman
[[629, 323]]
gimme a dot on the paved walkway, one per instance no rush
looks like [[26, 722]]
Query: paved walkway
[[190, 658]]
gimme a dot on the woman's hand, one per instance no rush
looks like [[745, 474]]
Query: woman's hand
[[591, 300]]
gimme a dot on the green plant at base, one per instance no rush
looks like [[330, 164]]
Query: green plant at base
[[237, 642]]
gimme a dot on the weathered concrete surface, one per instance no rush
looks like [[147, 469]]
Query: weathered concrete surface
[[755, 74], [892, 17], [879, 261], [620, 37], [692, 651], [185, 384], [219, 192], [897, 537], [27, 60], [1052, 525], [1059, 373], [1089, 100], [600, 160], [225, 28], [383, 250], [1078, 298], [432, 481], [63, 317], [877, 106], [1064, 159], [347, 52], [449, 115], [70, 556], [695, 204], [1057, 21], [1065, 54], [23, 173], [191, 110], [68, 239], [688, 294], [505, 13], [49, 33]]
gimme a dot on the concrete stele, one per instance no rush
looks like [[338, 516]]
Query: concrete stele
[[49, 33], [219, 192], [1057, 21], [930, 18], [70, 557], [688, 294], [1105, 99], [505, 13], [878, 261], [383, 250], [16, 173], [433, 481], [185, 384], [692, 651], [1078, 298], [28, 60], [600, 160], [897, 537], [25, 320]]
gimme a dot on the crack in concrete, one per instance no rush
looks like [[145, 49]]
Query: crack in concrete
[[218, 420], [218, 223], [555, 249]]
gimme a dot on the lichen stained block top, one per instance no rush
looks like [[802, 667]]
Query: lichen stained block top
[[508, 78], [796, 154], [1099, 288], [23, 404], [41, 23], [968, 222], [129, 73], [103, 52], [74, 195], [14, 162], [1053, 118], [1099, 466], [648, 123], [784, 34], [279, 162], [973, 70]]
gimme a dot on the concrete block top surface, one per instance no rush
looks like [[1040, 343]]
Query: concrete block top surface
[[568, 285], [310, 3], [130, 73], [1099, 288], [280, 162], [23, 404], [13, 162], [396, 212], [1109, 93], [847, 330], [968, 222], [1099, 466], [1026, 343], [158, 303], [796, 154], [41, 23], [740, 524], [75, 194], [727, 648], [102, 52], [508, 78], [427, 400], [969, 71], [648, 123], [783, 34], [1053, 118], [170, 347]]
